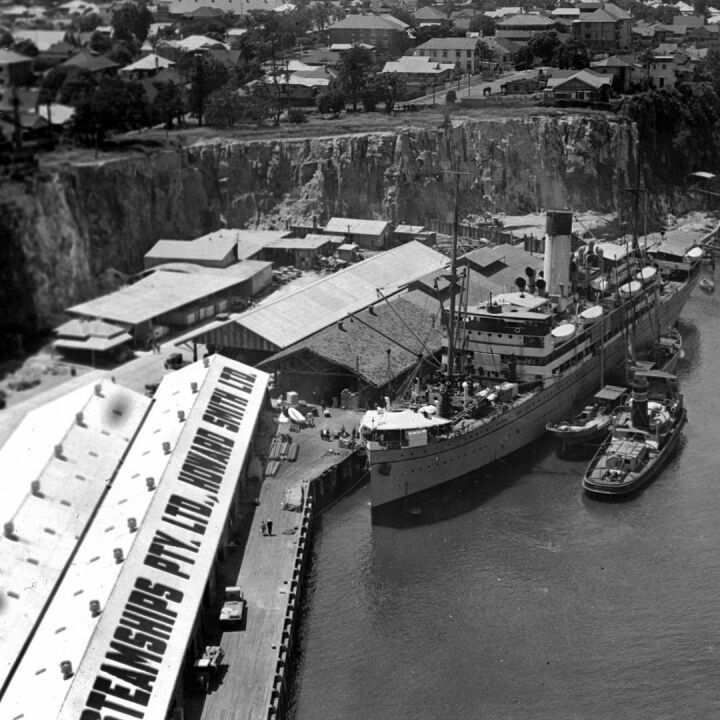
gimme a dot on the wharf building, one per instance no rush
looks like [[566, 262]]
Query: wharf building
[[340, 335], [115, 518]]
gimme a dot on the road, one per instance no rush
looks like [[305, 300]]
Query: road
[[478, 88]]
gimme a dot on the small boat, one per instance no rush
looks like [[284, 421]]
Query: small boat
[[664, 355], [594, 421], [706, 284], [642, 439]]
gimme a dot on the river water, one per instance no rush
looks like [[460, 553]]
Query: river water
[[519, 597]]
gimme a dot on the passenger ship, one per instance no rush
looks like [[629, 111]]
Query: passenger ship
[[528, 358]]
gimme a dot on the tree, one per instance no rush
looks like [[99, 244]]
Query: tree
[[25, 47], [224, 107], [131, 21], [78, 87], [6, 38], [572, 55], [391, 89], [113, 105], [354, 70], [332, 103], [121, 53], [168, 105], [51, 83], [88, 22], [700, 7], [544, 46], [100, 43], [483, 24], [205, 75]]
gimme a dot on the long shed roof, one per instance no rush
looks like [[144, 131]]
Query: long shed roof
[[297, 315], [405, 329], [159, 293]]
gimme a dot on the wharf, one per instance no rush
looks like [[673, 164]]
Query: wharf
[[253, 677]]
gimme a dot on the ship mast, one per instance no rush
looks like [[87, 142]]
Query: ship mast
[[453, 282]]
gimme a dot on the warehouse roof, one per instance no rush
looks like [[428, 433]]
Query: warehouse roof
[[309, 242], [356, 226], [297, 315], [47, 518], [201, 499], [212, 248], [159, 293], [361, 345]]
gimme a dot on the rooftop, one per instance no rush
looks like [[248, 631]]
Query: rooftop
[[361, 345], [92, 432], [212, 248], [356, 226], [157, 294], [449, 43], [331, 298], [368, 22]]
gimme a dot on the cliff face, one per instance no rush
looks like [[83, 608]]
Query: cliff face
[[64, 236]]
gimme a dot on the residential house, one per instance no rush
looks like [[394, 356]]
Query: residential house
[[461, 19], [607, 29], [505, 50], [565, 15], [420, 73], [300, 84], [55, 54], [504, 12], [520, 28], [689, 21], [386, 34], [661, 71], [464, 52], [705, 36], [238, 7], [581, 87], [146, 67], [430, 15], [619, 69], [15, 70], [95, 64]]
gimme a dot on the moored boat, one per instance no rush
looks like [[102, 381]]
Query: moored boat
[[593, 422], [642, 439]]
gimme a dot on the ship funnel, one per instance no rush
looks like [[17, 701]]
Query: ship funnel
[[558, 249], [640, 403], [530, 272], [387, 402]]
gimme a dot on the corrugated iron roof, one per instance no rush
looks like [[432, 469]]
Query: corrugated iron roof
[[157, 294], [405, 328], [295, 316], [356, 226], [209, 247]]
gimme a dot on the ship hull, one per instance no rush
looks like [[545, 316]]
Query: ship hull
[[396, 474]]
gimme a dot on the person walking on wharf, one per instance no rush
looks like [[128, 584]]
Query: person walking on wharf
[[269, 524], [263, 527]]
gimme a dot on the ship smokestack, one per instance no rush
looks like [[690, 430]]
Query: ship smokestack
[[558, 250], [640, 403]]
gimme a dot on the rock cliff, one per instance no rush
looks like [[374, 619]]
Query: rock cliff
[[69, 231]]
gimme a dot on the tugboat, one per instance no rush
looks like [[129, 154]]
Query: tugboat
[[642, 439], [593, 422]]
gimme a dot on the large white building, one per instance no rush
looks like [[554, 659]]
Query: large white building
[[113, 524]]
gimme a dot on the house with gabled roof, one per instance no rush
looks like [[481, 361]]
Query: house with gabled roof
[[429, 15], [620, 69], [521, 28], [606, 29], [386, 34], [464, 52], [581, 87]]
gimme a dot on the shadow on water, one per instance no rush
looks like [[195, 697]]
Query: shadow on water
[[465, 493]]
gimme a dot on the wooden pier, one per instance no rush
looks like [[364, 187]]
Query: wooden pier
[[252, 682]]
